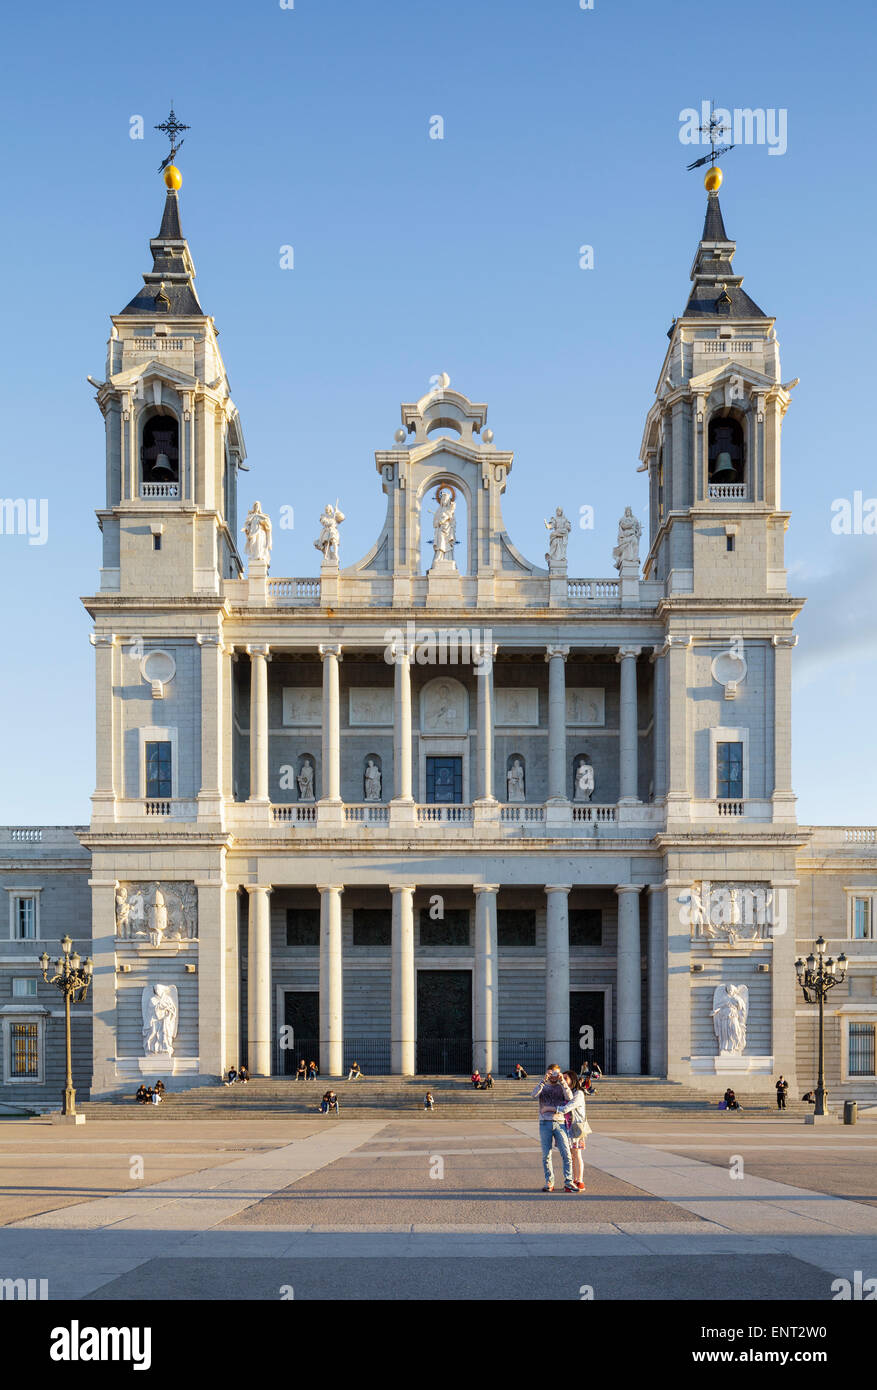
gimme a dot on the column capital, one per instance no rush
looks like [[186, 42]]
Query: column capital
[[208, 639], [557, 649], [330, 887], [330, 649], [258, 649], [257, 887], [625, 652], [558, 888], [403, 887], [103, 639], [485, 888], [629, 887], [784, 639]]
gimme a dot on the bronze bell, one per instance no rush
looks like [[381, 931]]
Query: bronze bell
[[725, 472], [163, 465]]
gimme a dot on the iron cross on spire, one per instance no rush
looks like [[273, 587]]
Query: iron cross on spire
[[715, 130], [172, 128]]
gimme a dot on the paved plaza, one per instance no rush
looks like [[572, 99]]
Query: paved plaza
[[426, 1208]]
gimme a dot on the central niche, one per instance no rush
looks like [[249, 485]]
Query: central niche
[[443, 531]]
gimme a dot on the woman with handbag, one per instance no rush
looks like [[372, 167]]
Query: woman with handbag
[[577, 1128]]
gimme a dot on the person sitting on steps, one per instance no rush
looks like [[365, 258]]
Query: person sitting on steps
[[355, 1072], [429, 1101]]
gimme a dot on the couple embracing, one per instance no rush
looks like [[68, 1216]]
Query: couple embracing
[[562, 1121]]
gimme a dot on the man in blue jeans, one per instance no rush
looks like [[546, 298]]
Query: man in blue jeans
[[553, 1092]]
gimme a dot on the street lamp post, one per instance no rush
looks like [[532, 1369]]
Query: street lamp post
[[817, 976], [72, 978]]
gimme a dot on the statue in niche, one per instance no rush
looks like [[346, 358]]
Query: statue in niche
[[158, 918], [160, 1011], [257, 530], [305, 781], [445, 525], [730, 1007], [629, 532], [558, 528], [515, 781], [328, 539], [372, 781], [584, 781]]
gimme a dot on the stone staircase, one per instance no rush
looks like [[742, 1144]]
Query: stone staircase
[[618, 1098]]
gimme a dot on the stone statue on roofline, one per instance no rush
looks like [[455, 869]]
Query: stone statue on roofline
[[257, 530], [629, 532], [558, 528], [328, 539]]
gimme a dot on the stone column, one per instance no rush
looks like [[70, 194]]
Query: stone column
[[557, 772], [783, 796], [402, 812], [659, 726], [486, 982], [628, 732], [259, 722], [104, 799], [676, 688], [402, 1038], [213, 1012], [331, 788], [103, 992], [331, 981], [212, 726], [629, 1037], [259, 981], [557, 1042], [656, 980], [484, 683]]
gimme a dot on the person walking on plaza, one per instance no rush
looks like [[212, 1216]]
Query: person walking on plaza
[[553, 1092], [782, 1088], [577, 1128]]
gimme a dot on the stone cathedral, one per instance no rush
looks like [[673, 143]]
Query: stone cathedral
[[444, 805]]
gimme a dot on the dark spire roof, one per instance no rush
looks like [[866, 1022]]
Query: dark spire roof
[[716, 290], [169, 287]]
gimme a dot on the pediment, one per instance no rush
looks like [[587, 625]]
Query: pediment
[[728, 367]]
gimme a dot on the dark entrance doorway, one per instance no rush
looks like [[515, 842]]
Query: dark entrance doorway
[[301, 1013], [444, 780], [587, 1007], [444, 1021]]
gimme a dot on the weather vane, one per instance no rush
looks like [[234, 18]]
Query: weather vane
[[715, 130], [172, 128]]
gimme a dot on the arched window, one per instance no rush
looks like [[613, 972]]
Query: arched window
[[160, 456], [726, 456]]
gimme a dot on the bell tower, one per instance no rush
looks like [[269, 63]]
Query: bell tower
[[174, 442], [711, 444]]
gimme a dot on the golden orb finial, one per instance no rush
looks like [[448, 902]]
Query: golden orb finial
[[172, 177], [713, 179]]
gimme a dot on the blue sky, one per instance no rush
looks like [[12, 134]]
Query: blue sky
[[310, 128]]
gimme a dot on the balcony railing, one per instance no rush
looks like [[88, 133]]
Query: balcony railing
[[294, 590], [304, 814], [167, 808], [592, 812], [444, 814], [592, 588], [725, 345], [28, 835], [727, 492], [162, 490], [860, 835], [514, 814], [158, 344], [731, 808], [367, 813]]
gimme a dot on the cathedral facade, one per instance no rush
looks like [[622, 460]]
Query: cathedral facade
[[443, 806]]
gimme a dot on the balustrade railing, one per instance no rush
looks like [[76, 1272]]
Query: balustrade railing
[[296, 814], [725, 345], [28, 835], [731, 808], [592, 588], [514, 814], [591, 812], [158, 344], [448, 815], [160, 490], [861, 835], [367, 813], [726, 492], [299, 589]]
